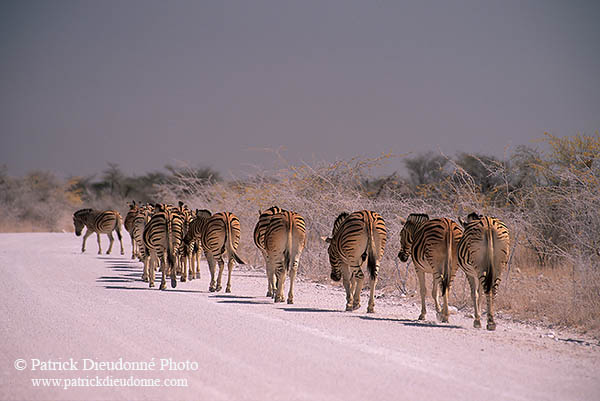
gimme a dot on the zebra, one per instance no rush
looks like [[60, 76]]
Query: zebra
[[162, 237], [357, 238], [284, 240], [482, 255], [142, 218], [99, 222], [259, 235], [433, 246], [192, 248], [219, 235], [128, 223]]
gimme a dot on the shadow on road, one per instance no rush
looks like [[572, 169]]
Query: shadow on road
[[243, 301], [412, 323], [120, 287], [309, 310]]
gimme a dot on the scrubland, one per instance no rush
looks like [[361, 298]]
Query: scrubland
[[550, 201]]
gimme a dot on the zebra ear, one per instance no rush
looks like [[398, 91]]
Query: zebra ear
[[326, 239], [462, 223]]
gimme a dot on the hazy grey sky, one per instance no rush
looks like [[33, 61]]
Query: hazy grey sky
[[146, 83]]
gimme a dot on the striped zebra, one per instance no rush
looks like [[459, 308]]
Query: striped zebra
[[482, 255], [99, 222], [357, 238], [433, 246], [128, 223], [162, 237], [219, 235], [142, 218], [191, 248], [284, 240], [259, 235]]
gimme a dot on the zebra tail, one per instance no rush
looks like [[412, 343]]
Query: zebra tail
[[447, 262], [371, 257], [232, 251], [489, 270], [170, 256], [118, 226], [288, 245]]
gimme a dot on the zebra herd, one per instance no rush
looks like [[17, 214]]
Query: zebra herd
[[171, 238]]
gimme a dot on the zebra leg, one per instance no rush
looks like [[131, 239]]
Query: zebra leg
[[293, 271], [183, 260], [445, 312], [133, 246], [271, 288], [111, 241], [280, 283], [422, 291], [348, 281], [211, 267], [220, 276], [151, 269], [358, 285], [85, 237], [173, 272], [229, 270], [145, 272], [197, 261], [491, 324], [435, 286], [473, 283], [371, 306], [120, 237], [163, 270], [99, 246]]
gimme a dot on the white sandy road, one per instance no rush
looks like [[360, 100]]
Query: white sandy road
[[59, 305]]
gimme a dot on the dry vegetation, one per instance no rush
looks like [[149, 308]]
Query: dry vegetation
[[550, 202]]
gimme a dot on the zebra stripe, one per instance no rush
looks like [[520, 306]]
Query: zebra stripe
[[482, 255], [219, 235], [357, 238], [99, 222], [162, 237], [284, 240], [433, 246], [128, 223]]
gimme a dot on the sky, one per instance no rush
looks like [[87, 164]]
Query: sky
[[224, 84]]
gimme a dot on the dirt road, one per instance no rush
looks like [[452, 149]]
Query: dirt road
[[62, 309]]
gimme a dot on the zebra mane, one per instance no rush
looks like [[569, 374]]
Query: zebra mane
[[473, 216], [82, 211], [338, 222], [203, 213], [417, 218]]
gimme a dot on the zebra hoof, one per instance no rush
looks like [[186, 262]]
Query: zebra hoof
[[183, 279], [349, 308], [269, 294], [477, 324], [219, 288], [422, 316], [151, 284], [228, 289], [163, 286], [211, 289], [132, 256], [173, 283], [122, 253], [290, 301], [371, 309], [491, 326]]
